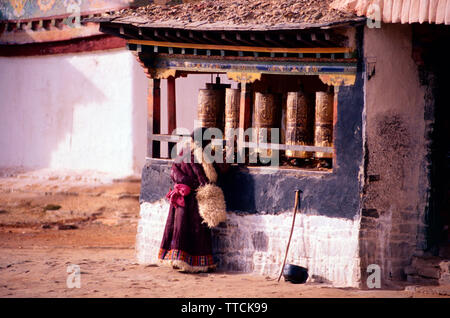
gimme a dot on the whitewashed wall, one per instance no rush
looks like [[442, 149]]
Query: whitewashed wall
[[83, 111], [73, 111], [256, 243]]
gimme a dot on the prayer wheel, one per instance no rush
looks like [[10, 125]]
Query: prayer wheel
[[265, 116], [211, 106], [232, 102], [297, 120], [323, 126]]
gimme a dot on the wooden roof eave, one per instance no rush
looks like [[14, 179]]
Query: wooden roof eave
[[167, 32], [223, 26]]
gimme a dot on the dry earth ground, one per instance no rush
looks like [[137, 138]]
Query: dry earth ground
[[49, 221]]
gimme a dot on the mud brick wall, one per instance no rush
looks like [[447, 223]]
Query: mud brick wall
[[396, 148]]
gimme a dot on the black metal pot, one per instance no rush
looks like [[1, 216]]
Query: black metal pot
[[295, 274]]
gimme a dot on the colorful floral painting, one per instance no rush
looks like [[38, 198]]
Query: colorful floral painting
[[18, 6]]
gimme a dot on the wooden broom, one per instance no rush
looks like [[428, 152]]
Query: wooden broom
[[297, 199]]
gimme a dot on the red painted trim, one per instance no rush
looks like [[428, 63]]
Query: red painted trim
[[90, 44]]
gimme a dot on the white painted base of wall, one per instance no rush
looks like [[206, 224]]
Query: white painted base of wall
[[328, 247]]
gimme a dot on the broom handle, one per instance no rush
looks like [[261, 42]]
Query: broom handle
[[297, 193]]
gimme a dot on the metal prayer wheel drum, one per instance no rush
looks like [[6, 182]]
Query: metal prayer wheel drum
[[232, 102], [265, 115], [297, 119], [323, 127], [211, 104]]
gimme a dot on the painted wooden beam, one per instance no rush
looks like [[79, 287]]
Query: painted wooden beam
[[243, 48], [250, 65], [101, 42]]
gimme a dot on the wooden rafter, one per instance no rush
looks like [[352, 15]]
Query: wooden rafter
[[278, 38]]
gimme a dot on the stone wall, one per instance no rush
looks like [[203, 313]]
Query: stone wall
[[256, 243], [396, 175]]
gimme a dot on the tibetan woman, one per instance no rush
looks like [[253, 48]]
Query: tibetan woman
[[196, 205]]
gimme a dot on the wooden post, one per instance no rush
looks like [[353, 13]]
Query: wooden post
[[244, 115], [171, 109], [245, 107], [153, 118], [324, 121], [335, 119]]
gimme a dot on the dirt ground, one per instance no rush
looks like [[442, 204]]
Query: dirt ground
[[49, 222]]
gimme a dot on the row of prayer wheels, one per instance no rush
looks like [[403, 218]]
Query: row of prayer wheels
[[298, 119], [216, 101], [218, 106]]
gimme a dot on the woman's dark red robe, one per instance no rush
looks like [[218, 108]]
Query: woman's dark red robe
[[186, 242]]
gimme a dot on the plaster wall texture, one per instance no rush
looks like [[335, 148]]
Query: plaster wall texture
[[396, 185], [256, 243], [73, 111]]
